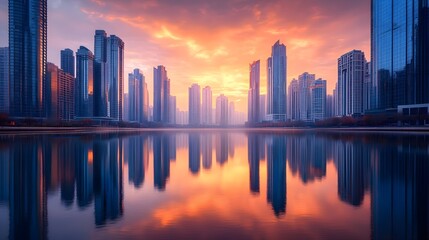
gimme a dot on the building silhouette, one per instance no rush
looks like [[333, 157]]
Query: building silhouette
[[254, 91], [207, 106], [67, 61], [222, 110], [161, 161], [84, 102], [195, 105], [276, 174], [137, 96], [207, 150], [293, 100], [318, 100], [27, 57], [276, 83], [101, 90], [253, 152], [161, 95], [194, 153], [304, 82], [115, 77]]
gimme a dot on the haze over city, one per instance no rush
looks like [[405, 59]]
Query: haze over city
[[212, 42]]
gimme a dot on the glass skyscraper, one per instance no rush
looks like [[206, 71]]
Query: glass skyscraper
[[28, 54], [4, 80], [115, 77], [276, 83], [400, 52], [67, 61], [101, 87], [84, 83]]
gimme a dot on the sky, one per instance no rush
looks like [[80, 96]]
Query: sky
[[212, 42]]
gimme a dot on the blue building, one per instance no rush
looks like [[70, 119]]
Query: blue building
[[67, 61], [276, 83], [28, 53], [400, 52], [84, 83]]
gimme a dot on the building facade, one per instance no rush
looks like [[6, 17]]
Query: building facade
[[304, 82], [351, 74], [276, 83], [195, 104], [101, 91], [161, 95], [222, 110], [84, 91], [28, 27], [137, 111], [67, 61], [400, 52], [207, 106], [293, 100], [318, 100], [115, 77], [254, 92]]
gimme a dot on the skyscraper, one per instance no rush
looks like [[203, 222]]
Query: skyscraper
[[400, 52], [60, 93], [368, 92], [253, 97], [4, 80], [262, 107], [161, 94], [351, 73], [67, 61], [27, 54], [136, 96], [172, 105], [194, 104], [304, 81], [207, 106], [100, 74], [318, 100], [84, 83], [293, 100], [222, 110], [276, 83], [115, 77]]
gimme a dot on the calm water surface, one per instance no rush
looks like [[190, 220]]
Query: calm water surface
[[215, 185]]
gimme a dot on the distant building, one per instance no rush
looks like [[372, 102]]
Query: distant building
[[222, 110], [137, 111], [232, 118], [318, 100], [207, 106], [368, 93], [351, 73], [60, 98], [101, 88], [84, 83], [4, 80], [173, 108], [276, 83], [262, 107], [253, 95], [28, 27], [194, 104], [293, 100], [67, 61], [115, 77], [304, 81], [329, 106], [161, 95]]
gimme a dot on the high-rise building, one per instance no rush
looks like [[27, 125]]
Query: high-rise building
[[84, 103], [400, 52], [276, 83], [262, 107], [60, 93], [222, 110], [351, 73], [161, 95], [232, 118], [304, 81], [293, 100], [28, 27], [194, 104], [329, 106], [318, 100], [137, 111], [115, 77], [67, 61], [4, 80], [172, 105], [367, 89], [207, 106], [254, 91], [101, 91]]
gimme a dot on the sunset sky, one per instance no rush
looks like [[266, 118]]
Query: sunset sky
[[212, 42]]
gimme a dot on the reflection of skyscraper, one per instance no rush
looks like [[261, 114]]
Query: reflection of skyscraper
[[253, 158], [351, 187], [138, 157], [27, 201], [4, 174], [400, 195], [276, 174], [222, 148], [68, 174], [108, 182], [84, 174], [194, 153], [207, 150], [161, 161]]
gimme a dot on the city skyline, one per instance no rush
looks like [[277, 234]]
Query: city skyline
[[190, 46]]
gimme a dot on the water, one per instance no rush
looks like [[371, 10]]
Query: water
[[214, 185]]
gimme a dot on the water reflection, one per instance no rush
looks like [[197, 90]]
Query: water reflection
[[384, 174]]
